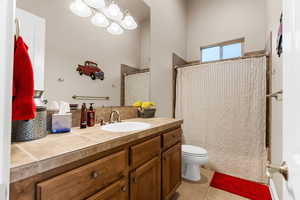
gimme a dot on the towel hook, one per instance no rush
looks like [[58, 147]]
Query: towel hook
[[17, 28]]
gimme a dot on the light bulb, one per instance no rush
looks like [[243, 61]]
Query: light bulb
[[115, 29], [129, 23], [80, 9], [113, 10], [95, 3], [100, 20]]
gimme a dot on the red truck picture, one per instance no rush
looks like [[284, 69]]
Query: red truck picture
[[90, 69]]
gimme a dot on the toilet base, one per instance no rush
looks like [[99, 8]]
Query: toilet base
[[191, 172]]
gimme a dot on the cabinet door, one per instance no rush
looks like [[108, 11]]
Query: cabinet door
[[116, 191], [145, 181], [171, 171]]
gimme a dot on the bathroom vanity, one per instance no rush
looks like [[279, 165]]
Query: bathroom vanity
[[94, 164]]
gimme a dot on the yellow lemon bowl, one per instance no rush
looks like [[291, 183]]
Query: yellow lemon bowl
[[137, 104], [145, 109]]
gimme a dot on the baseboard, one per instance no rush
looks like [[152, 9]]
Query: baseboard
[[273, 190]]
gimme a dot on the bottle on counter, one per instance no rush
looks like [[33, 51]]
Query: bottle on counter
[[91, 116], [83, 119]]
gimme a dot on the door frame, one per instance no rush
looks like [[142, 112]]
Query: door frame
[[127, 70], [7, 13]]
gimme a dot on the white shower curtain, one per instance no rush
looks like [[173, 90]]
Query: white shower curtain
[[137, 88], [224, 110]]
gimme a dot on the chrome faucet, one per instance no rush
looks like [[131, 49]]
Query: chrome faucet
[[112, 115]]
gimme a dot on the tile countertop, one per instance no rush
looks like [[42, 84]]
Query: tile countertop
[[55, 150]]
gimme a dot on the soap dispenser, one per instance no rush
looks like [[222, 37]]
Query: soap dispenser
[[83, 119], [91, 116]]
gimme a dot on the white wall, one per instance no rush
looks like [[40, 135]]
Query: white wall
[[145, 44], [71, 40], [6, 75], [273, 11], [168, 35], [213, 21]]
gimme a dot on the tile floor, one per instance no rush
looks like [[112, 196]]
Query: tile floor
[[202, 191]]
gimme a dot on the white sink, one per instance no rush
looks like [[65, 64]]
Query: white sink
[[126, 126]]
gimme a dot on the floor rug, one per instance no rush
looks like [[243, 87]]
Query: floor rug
[[241, 187]]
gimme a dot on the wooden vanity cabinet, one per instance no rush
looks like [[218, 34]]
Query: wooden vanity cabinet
[[144, 169]]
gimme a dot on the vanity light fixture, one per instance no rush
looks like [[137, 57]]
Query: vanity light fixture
[[128, 22], [95, 3], [81, 9], [100, 20], [115, 29], [110, 16], [113, 10]]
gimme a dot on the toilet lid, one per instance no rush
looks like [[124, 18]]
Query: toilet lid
[[193, 150]]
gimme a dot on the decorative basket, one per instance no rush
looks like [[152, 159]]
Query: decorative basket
[[147, 113], [26, 130]]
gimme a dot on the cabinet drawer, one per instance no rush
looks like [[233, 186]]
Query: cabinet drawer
[[116, 191], [171, 138], [85, 181], [143, 152]]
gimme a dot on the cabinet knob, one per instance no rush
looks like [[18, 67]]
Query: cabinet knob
[[94, 174], [124, 189], [134, 180]]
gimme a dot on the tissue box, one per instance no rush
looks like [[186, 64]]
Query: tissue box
[[61, 123]]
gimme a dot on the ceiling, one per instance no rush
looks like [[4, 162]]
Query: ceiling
[[137, 8]]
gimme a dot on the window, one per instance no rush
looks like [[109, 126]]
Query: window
[[211, 54], [222, 51]]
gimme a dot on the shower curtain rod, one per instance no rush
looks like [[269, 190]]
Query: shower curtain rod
[[239, 58]]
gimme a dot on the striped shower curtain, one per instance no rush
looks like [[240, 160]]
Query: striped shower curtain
[[224, 110]]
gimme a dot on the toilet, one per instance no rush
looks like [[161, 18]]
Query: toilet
[[193, 157]]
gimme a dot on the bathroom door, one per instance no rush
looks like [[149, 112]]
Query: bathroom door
[[6, 68], [291, 98]]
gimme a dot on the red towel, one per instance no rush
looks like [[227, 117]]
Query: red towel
[[23, 107]]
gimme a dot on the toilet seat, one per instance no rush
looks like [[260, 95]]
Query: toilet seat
[[190, 150]]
